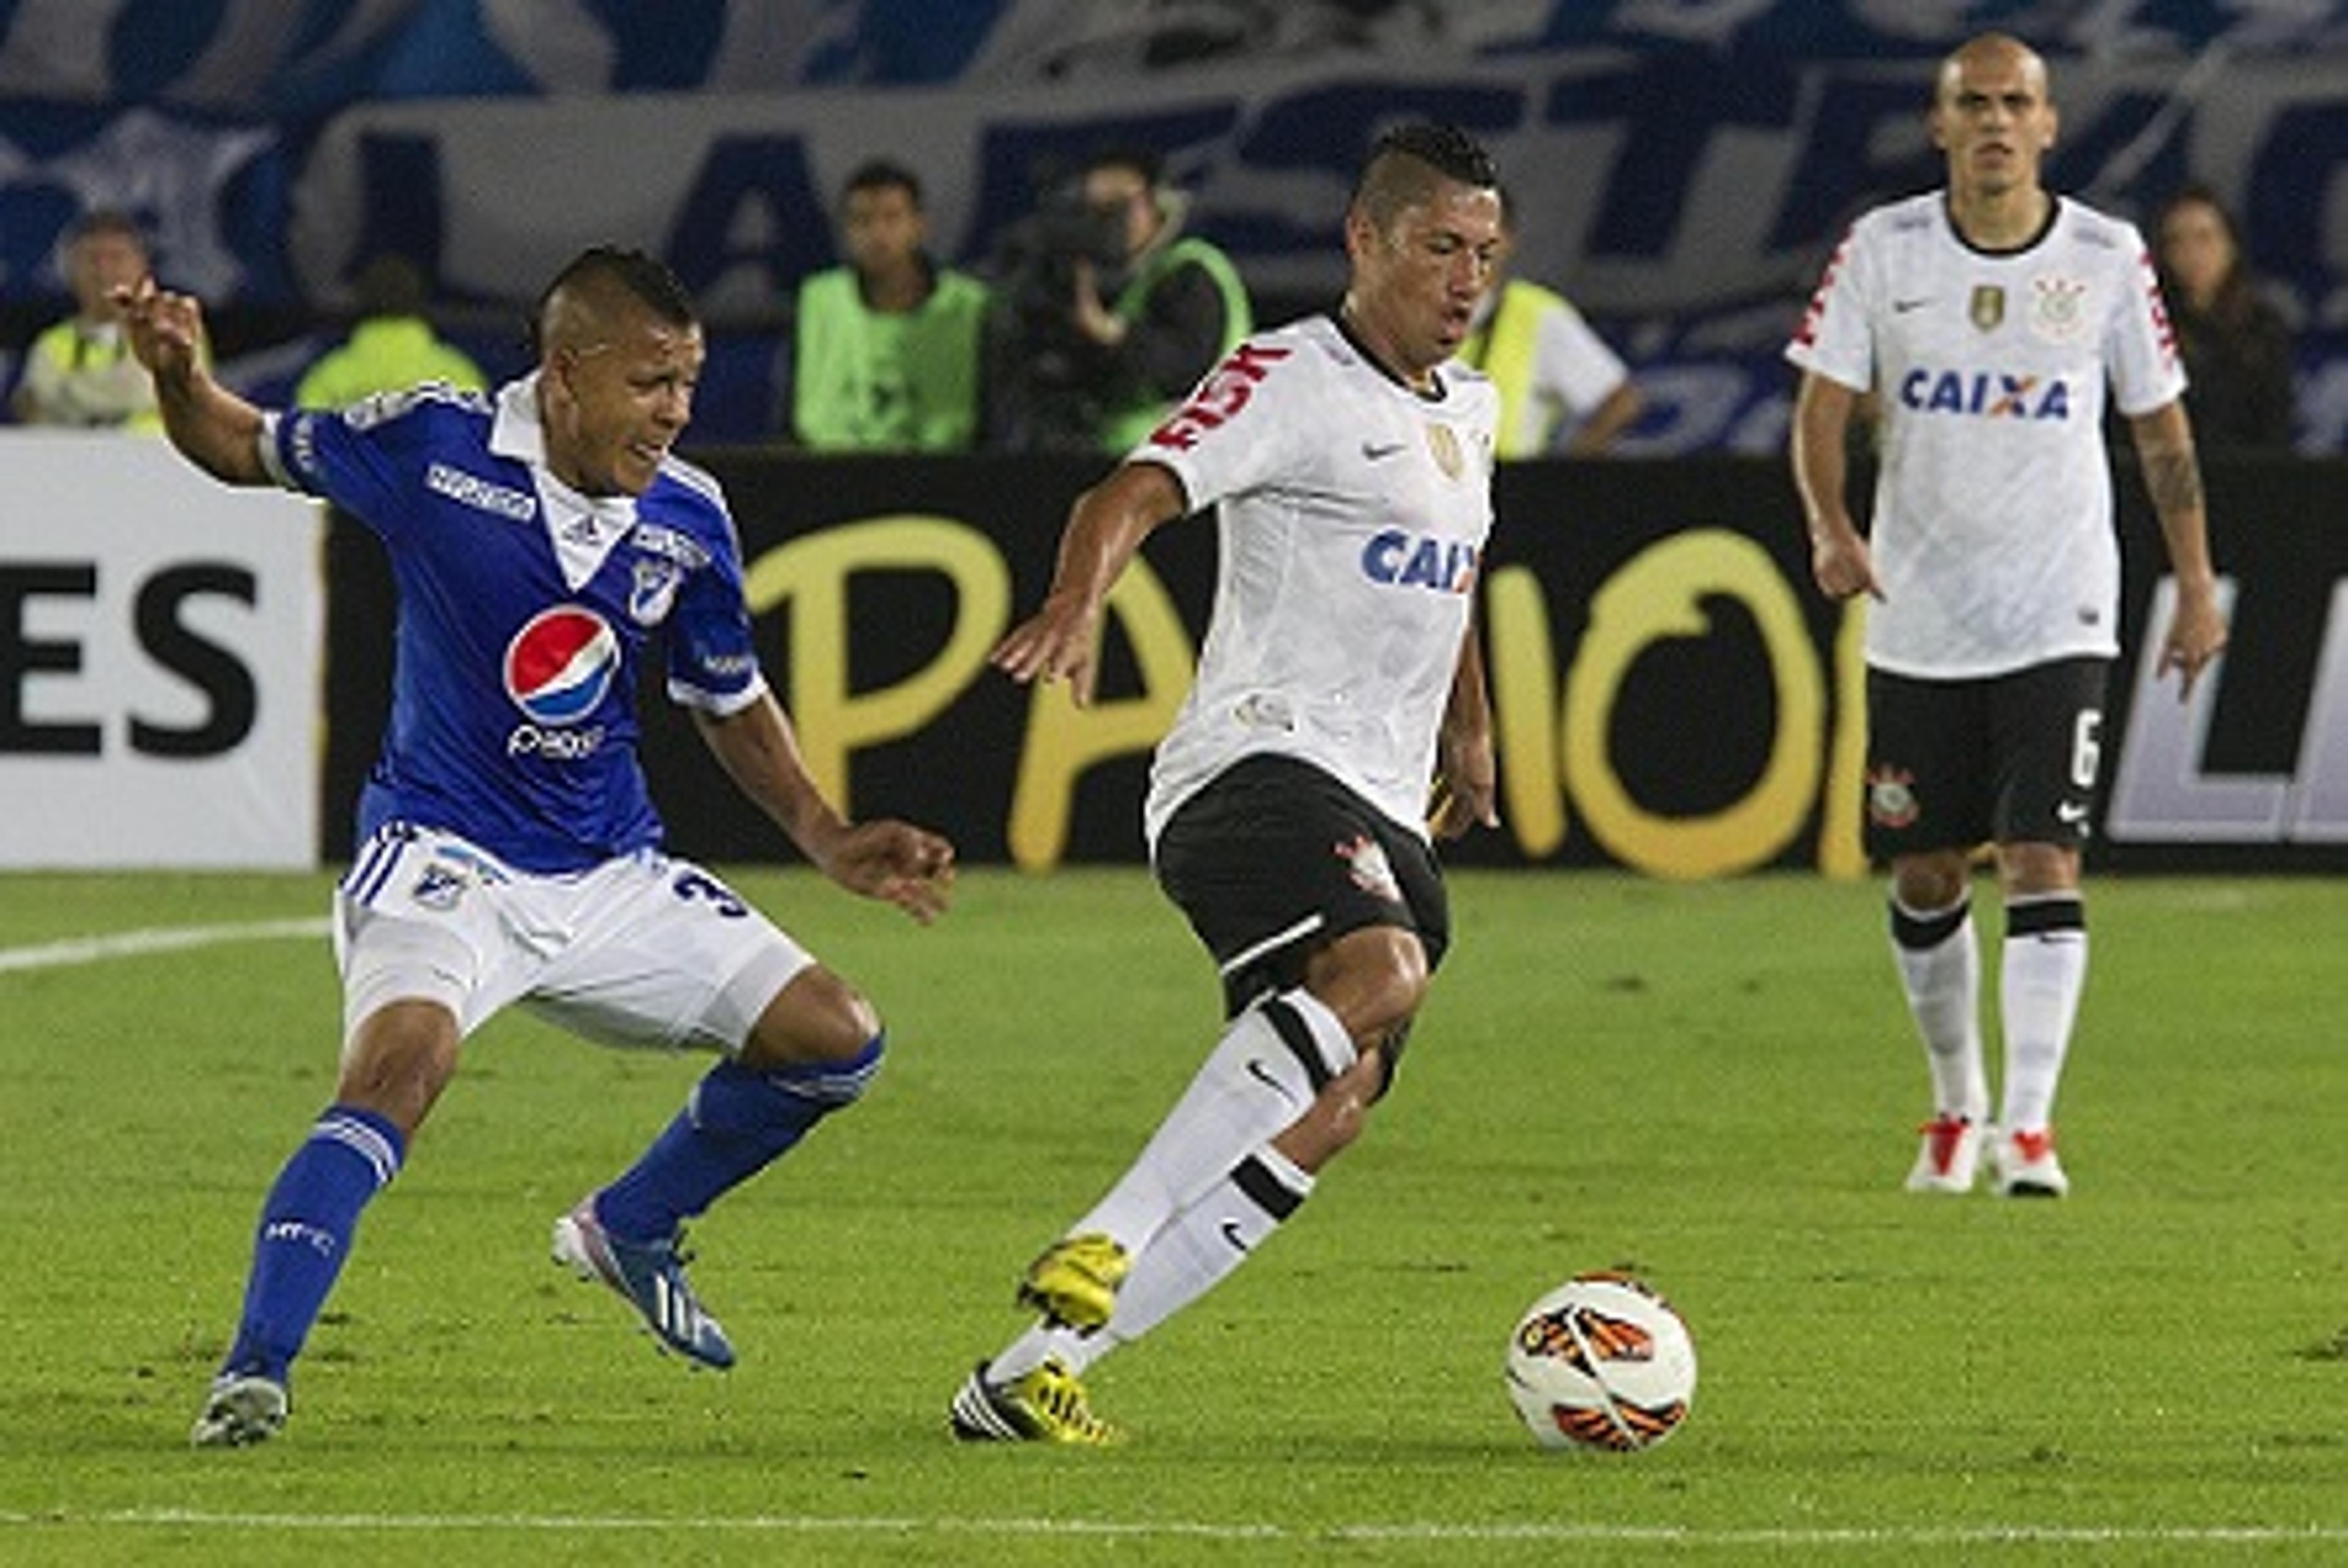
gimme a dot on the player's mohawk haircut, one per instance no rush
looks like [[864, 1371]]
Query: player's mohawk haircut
[[1402, 162], [1446, 147], [645, 276]]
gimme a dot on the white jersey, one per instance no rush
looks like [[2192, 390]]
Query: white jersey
[[1352, 515], [1992, 532]]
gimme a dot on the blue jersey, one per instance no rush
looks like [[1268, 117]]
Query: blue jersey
[[525, 609]]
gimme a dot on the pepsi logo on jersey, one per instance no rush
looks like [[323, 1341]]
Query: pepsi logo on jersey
[[1992, 394], [558, 669]]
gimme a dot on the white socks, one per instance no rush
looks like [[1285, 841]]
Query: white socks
[[1261, 1075], [1189, 1255], [2045, 969], [1209, 1238], [1940, 968], [1208, 1186]]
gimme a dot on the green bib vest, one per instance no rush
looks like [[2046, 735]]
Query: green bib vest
[[870, 381], [1503, 349], [1122, 429]]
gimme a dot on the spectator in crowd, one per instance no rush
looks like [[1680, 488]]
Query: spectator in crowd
[[1557, 377], [81, 371], [1109, 311], [885, 350], [391, 347], [2235, 343]]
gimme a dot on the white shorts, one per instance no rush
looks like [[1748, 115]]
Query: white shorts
[[641, 950]]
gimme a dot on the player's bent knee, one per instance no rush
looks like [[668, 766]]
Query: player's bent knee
[[742, 1100], [817, 1018], [397, 1061], [1373, 979]]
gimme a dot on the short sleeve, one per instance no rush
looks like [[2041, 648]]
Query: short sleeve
[[1835, 338], [1243, 426], [1576, 362], [2141, 348], [352, 456], [712, 657]]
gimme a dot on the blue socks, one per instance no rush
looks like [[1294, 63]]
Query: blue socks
[[737, 1121], [306, 1224]]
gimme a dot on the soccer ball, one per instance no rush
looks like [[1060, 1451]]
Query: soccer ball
[[1601, 1362]]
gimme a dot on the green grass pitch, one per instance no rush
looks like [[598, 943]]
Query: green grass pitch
[[1712, 1084]]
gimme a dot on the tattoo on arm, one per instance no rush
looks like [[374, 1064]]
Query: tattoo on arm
[[2174, 479]]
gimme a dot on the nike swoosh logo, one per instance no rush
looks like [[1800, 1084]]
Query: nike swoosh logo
[[1232, 1235], [1376, 450], [1262, 1074], [1902, 307], [2070, 811]]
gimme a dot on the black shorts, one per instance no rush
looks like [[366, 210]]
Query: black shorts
[[1273, 859], [2009, 759]]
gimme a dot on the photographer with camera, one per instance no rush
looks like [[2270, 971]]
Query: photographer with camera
[[1108, 313]]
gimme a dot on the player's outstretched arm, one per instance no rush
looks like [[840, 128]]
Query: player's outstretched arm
[[892, 861], [1105, 527], [213, 427], [2172, 476]]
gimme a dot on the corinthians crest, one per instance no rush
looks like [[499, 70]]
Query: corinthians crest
[[2059, 309], [1891, 797]]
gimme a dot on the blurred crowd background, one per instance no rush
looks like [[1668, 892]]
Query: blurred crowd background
[[1679, 168]]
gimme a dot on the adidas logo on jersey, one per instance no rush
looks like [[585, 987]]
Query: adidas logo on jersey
[[1993, 394]]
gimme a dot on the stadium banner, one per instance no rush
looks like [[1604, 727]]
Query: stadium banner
[[159, 661], [1714, 150], [1671, 695], [1698, 184], [1680, 170]]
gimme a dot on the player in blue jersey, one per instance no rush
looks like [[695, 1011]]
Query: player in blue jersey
[[543, 541]]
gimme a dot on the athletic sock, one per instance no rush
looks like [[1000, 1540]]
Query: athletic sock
[[1213, 1234], [307, 1222], [1262, 1076], [1190, 1253], [2044, 971], [737, 1121], [1940, 970]]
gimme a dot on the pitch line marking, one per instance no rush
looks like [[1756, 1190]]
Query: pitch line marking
[[159, 939], [885, 1524]]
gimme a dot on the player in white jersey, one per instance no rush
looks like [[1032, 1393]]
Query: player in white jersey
[[1288, 806], [1985, 321]]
